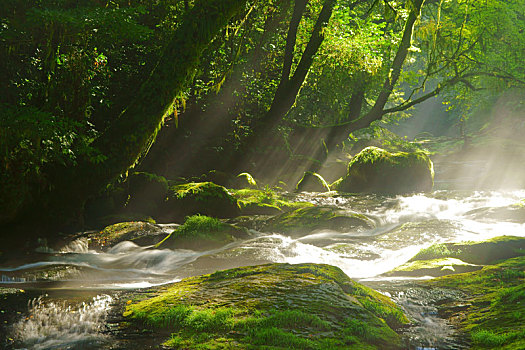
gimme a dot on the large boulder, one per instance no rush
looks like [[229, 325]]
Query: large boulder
[[204, 198], [451, 258], [264, 202], [275, 306], [482, 252], [375, 170], [432, 267], [201, 232], [303, 221], [141, 233]]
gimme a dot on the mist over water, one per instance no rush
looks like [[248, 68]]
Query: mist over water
[[404, 225]]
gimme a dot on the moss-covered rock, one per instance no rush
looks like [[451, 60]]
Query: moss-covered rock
[[141, 233], [308, 219], [433, 267], [218, 177], [112, 219], [451, 258], [201, 232], [276, 306], [264, 202], [493, 308], [204, 198], [312, 182], [482, 252], [378, 171]]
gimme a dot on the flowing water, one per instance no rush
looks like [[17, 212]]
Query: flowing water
[[77, 285]]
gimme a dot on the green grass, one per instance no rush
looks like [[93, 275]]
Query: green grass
[[490, 340], [200, 231], [293, 319], [497, 298], [222, 311], [199, 225], [273, 336]]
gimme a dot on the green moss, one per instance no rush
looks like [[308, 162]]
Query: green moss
[[267, 201], [304, 220], [202, 232], [196, 225], [204, 198], [335, 185], [277, 337], [280, 306], [433, 267], [495, 297], [482, 252], [312, 182], [200, 191], [356, 330], [520, 204], [248, 178], [379, 171], [435, 251], [124, 231]]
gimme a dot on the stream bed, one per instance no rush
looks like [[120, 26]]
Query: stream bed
[[63, 299]]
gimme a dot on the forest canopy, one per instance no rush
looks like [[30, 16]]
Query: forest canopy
[[88, 85]]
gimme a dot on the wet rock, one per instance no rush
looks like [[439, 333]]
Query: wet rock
[[451, 258], [112, 219], [282, 306], [264, 202], [434, 267], [493, 307], [312, 182], [375, 170], [202, 233], [204, 198], [306, 220], [483, 252], [141, 233], [513, 213]]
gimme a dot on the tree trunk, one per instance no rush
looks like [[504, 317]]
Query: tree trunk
[[339, 133], [123, 143], [289, 87]]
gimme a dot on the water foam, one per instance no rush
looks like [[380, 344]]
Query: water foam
[[56, 325]]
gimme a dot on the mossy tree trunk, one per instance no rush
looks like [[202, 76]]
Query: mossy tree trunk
[[135, 129]]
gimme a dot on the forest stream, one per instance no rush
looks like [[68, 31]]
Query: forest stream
[[234, 174], [70, 292]]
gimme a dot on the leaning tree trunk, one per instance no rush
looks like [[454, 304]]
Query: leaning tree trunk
[[132, 133]]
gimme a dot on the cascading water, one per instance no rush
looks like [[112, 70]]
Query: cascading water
[[58, 325], [404, 225]]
